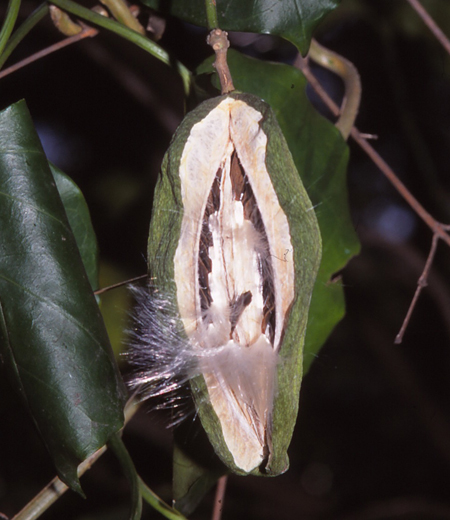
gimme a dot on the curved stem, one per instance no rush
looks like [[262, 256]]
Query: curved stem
[[117, 446], [22, 31], [12, 12], [211, 14], [151, 498], [134, 37], [349, 75]]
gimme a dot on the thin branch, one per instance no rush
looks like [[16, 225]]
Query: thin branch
[[432, 223], [431, 24], [218, 40], [439, 230], [49, 495], [422, 282], [86, 33], [53, 491], [138, 39], [120, 284], [56, 488], [20, 33], [408, 261], [219, 498], [429, 220]]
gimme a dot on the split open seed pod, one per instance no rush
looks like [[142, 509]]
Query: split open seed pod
[[235, 239]]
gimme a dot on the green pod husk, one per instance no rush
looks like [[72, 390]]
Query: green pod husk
[[168, 224]]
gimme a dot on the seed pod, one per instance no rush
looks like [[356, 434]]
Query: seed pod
[[235, 239]]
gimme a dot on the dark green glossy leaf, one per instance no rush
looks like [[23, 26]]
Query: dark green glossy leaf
[[294, 20], [321, 156], [53, 341], [77, 212]]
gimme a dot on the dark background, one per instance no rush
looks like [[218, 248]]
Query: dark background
[[373, 434]]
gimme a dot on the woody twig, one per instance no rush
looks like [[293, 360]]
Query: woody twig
[[218, 40], [440, 230]]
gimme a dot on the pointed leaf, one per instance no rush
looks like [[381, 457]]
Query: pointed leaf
[[294, 20], [52, 338]]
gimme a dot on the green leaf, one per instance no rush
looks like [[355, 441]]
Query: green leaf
[[79, 218], [53, 341], [321, 156], [191, 482], [196, 468], [294, 20]]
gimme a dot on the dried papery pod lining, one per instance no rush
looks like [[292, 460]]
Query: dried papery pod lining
[[235, 214], [234, 238]]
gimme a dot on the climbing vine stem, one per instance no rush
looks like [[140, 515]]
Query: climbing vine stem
[[211, 14]]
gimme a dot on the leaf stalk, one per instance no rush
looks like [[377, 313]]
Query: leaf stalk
[[211, 14], [22, 31], [12, 12]]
